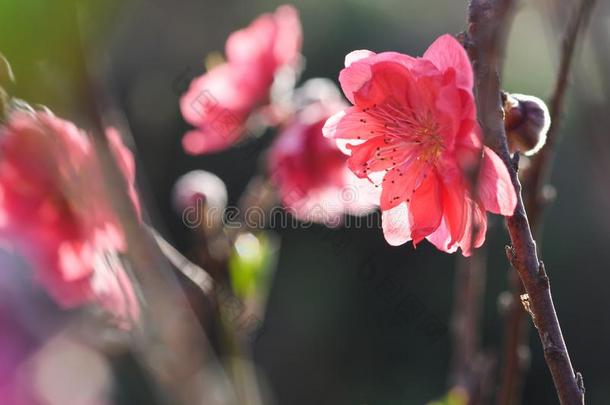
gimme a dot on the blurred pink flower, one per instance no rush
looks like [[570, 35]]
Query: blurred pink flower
[[311, 173], [54, 211], [413, 126], [219, 102]]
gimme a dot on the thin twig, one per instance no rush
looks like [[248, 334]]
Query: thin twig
[[542, 163], [534, 184], [484, 41], [168, 321], [196, 274]]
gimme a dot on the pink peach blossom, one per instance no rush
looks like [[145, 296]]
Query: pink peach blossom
[[311, 173], [220, 102], [54, 211], [413, 126]]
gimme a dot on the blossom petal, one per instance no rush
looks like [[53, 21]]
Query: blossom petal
[[395, 224], [389, 81], [345, 145], [449, 113], [358, 65], [363, 159], [454, 205], [417, 65], [476, 227], [359, 196], [425, 208], [446, 52], [222, 89], [197, 142], [352, 123], [400, 183], [252, 42], [442, 239], [355, 56], [352, 78], [496, 190], [289, 34]]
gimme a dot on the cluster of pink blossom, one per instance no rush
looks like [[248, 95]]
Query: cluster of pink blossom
[[406, 145], [53, 210], [220, 102], [398, 136], [411, 131]]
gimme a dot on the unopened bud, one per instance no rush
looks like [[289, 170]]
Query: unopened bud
[[526, 120], [200, 197]]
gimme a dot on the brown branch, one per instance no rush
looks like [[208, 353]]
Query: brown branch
[[534, 187], [168, 338], [484, 48]]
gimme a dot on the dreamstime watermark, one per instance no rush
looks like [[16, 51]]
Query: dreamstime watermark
[[301, 214], [199, 215]]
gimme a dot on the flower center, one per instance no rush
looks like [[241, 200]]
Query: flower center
[[431, 147], [406, 127]]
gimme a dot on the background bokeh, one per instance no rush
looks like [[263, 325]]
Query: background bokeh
[[333, 330]]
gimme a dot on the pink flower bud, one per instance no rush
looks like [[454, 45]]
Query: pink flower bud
[[199, 186]]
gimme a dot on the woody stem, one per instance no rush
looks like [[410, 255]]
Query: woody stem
[[536, 202], [485, 45]]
